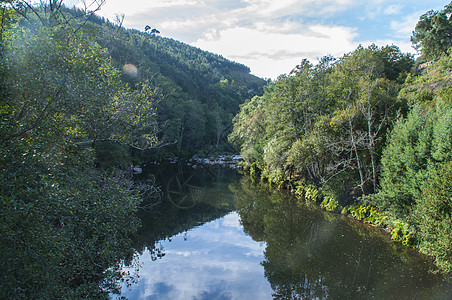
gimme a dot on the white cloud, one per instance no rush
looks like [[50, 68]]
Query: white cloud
[[393, 9], [373, 10], [132, 6], [404, 46], [406, 25], [270, 53], [187, 24], [275, 9]]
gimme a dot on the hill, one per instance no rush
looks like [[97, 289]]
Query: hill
[[200, 91]]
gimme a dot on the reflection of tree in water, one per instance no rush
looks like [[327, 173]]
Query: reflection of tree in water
[[150, 192], [184, 190], [166, 219], [311, 254], [157, 252]]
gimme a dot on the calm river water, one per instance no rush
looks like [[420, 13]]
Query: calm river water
[[215, 235]]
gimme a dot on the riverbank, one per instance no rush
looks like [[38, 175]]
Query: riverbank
[[400, 231]]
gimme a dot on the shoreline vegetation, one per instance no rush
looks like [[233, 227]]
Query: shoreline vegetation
[[367, 135]]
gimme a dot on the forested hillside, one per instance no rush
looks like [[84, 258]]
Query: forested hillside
[[200, 91], [368, 134]]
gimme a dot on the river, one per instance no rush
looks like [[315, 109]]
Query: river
[[216, 235]]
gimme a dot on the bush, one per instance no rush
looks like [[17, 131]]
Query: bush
[[403, 233], [404, 163], [368, 214], [433, 216], [331, 204], [307, 191]]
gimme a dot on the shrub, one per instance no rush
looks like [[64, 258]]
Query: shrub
[[368, 214], [331, 204], [433, 216], [307, 191], [403, 233]]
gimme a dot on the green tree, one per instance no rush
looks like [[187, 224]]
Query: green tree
[[326, 121], [65, 225], [366, 104], [250, 129], [434, 216], [405, 161], [432, 35], [418, 142]]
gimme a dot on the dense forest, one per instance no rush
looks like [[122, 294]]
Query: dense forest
[[367, 134], [199, 92], [81, 99]]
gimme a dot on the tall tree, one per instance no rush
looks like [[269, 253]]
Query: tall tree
[[433, 33]]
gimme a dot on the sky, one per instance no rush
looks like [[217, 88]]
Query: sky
[[273, 36]]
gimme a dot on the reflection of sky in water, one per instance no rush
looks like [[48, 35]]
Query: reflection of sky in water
[[214, 261]]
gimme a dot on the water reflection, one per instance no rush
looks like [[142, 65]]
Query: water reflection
[[215, 261], [311, 254], [271, 247], [169, 215], [199, 250]]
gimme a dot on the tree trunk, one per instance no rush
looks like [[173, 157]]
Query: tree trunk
[[179, 144], [371, 149], [355, 150]]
